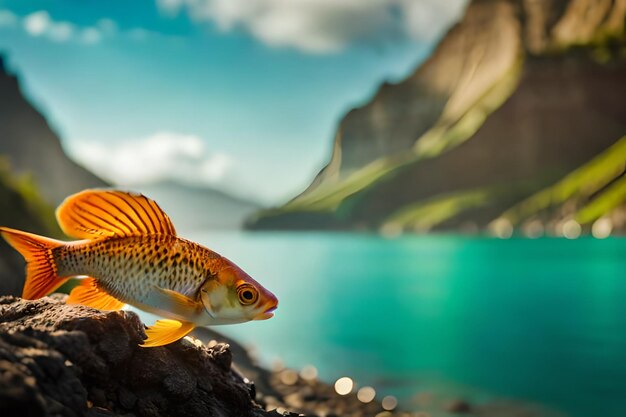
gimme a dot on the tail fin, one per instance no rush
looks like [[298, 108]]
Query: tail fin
[[41, 270]]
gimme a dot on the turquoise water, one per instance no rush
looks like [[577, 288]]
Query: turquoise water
[[541, 321]]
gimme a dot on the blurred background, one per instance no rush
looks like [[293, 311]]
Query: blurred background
[[435, 189]]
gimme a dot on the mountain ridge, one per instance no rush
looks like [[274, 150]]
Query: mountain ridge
[[484, 84], [195, 208], [32, 148]]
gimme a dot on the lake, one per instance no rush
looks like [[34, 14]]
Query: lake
[[540, 321]]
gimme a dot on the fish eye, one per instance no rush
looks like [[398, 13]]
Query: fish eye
[[247, 294]]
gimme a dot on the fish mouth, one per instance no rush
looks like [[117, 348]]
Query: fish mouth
[[267, 314]]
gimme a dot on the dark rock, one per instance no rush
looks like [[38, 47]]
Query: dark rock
[[18, 391], [180, 384], [99, 412], [457, 406], [222, 356], [58, 359], [275, 413], [126, 398], [42, 370], [68, 360], [98, 397]]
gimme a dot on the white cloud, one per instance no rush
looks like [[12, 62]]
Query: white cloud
[[427, 19], [36, 24], [322, 26], [7, 18], [90, 35], [40, 24], [162, 156]]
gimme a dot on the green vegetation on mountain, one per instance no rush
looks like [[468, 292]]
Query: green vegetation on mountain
[[445, 135], [21, 204], [21, 207], [593, 190], [510, 114], [605, 203], [424, 216], [35, 175]]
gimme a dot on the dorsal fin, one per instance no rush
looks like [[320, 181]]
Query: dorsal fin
[[91, 214]]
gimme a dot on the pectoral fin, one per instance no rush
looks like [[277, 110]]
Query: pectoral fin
[[164, 332], [176, 302], [88, 294]]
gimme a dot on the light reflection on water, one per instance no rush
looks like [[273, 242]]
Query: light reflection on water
[[538, 320]]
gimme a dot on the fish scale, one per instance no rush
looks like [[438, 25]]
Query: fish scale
[[163, 261], [130, 254]]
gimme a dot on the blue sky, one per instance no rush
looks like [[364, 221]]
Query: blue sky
[[242, 95]]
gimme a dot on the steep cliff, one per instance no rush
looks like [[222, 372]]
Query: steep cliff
[[515, 98], [21, 208], [35, 175], [31, 147]]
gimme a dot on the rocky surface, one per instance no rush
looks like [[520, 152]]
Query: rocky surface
[[67, 360], [62, 360], [518, 95], [536, 151]]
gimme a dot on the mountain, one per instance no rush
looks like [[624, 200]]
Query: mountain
[[516, 122], [31, 148], [35, 175], [199, 208], [21, 207]]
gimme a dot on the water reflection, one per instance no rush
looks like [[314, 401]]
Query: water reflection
[[539, 320]]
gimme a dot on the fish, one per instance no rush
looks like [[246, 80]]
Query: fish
[[128, 252]]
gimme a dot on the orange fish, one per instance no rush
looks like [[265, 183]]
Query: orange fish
[[131, 255]]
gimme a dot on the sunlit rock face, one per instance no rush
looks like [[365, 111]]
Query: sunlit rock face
[[30, 146], [517, 96], [565, 111], [470, 58]]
